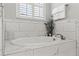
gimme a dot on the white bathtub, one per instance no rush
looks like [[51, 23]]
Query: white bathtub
[[32, 41], [27, 43]]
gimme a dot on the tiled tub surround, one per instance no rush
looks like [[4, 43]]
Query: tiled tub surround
[[67, 28], [17, 29]]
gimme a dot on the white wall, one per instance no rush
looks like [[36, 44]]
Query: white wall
[[67, 25], [72, 10], [22, 27], [10, 17], [48, 11], [0, 36], [9, 11], [0, 33]]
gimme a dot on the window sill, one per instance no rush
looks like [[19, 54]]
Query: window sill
[[31, 18]]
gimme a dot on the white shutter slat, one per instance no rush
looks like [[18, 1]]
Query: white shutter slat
[[22, 8], [35, 10], [29, 10]]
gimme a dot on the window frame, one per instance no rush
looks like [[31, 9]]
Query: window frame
[[28, 17]]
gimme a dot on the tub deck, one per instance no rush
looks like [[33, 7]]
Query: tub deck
[[12, 48]]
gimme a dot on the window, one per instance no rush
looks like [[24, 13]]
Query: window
[[38, 10], [31, 10]]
